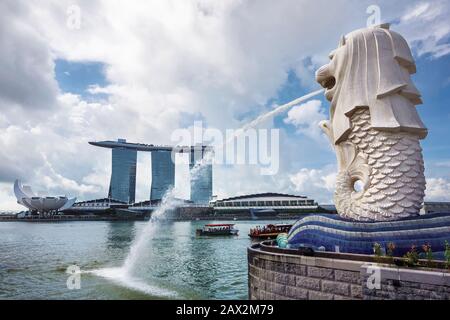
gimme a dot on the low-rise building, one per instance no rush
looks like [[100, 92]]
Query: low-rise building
[[435, 207], [266, 204]]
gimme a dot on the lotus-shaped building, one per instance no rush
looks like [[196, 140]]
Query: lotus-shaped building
[[26, 197]]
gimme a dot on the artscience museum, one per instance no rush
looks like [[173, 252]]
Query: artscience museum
[[42, 205]]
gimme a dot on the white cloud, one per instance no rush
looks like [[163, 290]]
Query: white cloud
[[164, 61], [306, 117], [317, 182], [425, 25], [421, 10], [438, 189], [7, 202]]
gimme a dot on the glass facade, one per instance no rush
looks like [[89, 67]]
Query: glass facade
[[201, 184], [124, 162], [123, 175], [163, 174]]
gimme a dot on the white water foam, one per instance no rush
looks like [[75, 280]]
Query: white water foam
[[120, 277]]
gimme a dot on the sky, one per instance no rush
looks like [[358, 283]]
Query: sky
[[142, 69]]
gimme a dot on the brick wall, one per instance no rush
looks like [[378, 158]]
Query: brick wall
[[275, 276]]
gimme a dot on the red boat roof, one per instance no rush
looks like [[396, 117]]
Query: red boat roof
[[219, 225]]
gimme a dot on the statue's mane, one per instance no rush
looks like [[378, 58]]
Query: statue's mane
[[378, 68]]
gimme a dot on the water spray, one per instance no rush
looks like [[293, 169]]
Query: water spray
[[169, 202]]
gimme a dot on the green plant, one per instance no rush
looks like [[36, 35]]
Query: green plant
[[412, 256], [447, 254], [377, 251], [390, 251], [428, 254]]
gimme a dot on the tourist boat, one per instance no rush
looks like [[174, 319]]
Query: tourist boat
[[218, 230], [270, 231]]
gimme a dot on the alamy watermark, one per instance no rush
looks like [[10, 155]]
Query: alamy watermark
[[74, 279], [73, 21], [374, 280], [233, 147], [374, 18]]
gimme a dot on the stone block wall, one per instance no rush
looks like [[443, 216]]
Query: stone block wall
[[276, 276], [406, 284]]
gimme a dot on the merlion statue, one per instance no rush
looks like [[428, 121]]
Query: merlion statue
[[374, 126]]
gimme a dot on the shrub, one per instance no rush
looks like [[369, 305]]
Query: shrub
[[412, 256], [428, 254], [447, 255], [390, 251], [377, 251]]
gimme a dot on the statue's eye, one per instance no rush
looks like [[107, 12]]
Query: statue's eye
[[332, 54]]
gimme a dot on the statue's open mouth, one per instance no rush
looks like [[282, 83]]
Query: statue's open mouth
[[327, 80], [329, 83]]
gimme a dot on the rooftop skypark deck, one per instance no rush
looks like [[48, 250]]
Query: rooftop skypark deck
[[122, 143]]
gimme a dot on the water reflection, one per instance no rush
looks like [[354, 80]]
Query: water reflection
[[33, 260], [120, 234]]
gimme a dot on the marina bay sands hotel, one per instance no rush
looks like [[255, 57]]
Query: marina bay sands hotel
[[123, 175]]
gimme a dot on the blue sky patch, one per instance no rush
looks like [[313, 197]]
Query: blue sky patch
[[76, 77]]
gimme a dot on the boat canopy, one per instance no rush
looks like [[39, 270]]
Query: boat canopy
[[219, 225]]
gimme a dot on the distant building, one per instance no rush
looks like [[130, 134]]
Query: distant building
[[105, 208], [202, 179], [436, 207], [265, 204], [123, 175], [328, 208], [112, 207], [98, 205], [42, 205], [163, 174]]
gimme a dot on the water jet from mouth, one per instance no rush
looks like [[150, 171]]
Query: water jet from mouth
[[124, 274]]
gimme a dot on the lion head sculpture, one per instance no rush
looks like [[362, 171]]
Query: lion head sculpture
[[374, 125], [371, 68]]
